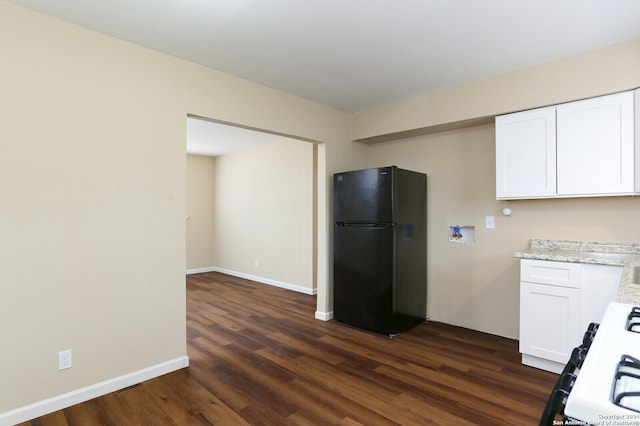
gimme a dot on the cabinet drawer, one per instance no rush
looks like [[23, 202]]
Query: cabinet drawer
[[553, 273]]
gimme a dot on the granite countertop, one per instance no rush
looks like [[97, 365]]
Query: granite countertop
[[626, 255]]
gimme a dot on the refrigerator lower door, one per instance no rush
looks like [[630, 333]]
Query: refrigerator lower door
[[364, 276]]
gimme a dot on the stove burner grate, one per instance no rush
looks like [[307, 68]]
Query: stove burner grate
[[589, 335], [626, 387], [633, 320]]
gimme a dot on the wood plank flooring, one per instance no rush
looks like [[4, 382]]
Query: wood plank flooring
[[258, 357]]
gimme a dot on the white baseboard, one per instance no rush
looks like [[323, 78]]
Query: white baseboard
[[68, 399], [324, 316], [256, 278], [543, 364], [201, 270]]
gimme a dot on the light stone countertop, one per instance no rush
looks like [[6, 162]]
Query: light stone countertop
[[626, 255]]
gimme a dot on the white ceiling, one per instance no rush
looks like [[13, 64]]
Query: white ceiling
[[358, 54]]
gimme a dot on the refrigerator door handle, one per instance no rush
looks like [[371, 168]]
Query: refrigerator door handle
[[364, 225]]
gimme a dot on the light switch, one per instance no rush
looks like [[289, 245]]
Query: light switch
[[489, 222]]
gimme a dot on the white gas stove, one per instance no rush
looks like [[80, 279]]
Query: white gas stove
[[607, 384]]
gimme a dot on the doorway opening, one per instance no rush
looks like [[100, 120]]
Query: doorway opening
[[252, 204]]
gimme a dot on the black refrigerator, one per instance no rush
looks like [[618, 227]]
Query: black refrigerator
[[380, 249]]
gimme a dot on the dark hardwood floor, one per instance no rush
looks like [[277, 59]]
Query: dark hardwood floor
[[258, 357]]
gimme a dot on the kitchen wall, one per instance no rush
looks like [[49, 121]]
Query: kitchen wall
[[264, 214], [477, 285], [93, 200], [599, 72], [450, 136], [201, 180]]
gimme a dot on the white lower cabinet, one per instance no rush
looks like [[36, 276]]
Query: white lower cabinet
[[549, 324], [558, 300], [599, 288]]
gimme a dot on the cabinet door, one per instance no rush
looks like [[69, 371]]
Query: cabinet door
[[526, 154], [595, 146], [549, 321]]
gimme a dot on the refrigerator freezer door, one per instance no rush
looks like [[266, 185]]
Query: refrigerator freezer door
[[364, 196], [363, 275]]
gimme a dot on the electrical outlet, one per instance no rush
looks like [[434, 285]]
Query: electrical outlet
[[257, 264], [64, 359]]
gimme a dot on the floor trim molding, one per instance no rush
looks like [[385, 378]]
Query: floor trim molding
[[40, 408], [201, 270], [256, 278], [324, 316]]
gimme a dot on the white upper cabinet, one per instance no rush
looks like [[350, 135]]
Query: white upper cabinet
[[526, 154], [577, 149], [595, 146]]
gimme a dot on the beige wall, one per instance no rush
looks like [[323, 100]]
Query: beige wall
[[93, 197], [201, 180], [264, 213], [477, 285], [595, 73]]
